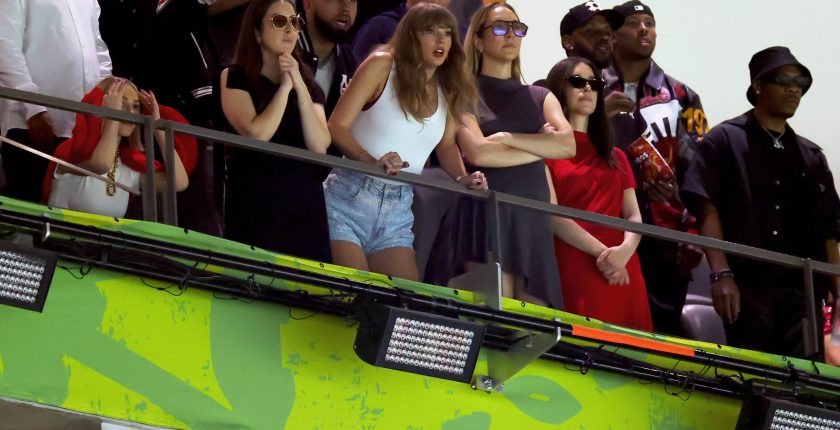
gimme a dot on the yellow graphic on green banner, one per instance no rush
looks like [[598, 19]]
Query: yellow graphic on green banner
[[90, 390], [171, 331]]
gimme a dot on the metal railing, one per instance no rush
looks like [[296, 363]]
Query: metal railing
[[492, 199]]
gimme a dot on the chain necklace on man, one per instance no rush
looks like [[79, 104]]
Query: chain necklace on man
[[777, 140]]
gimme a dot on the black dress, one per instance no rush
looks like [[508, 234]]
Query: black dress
[[527, 242], [273, 202]]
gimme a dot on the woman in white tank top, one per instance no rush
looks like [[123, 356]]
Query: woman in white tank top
[[404, 101]]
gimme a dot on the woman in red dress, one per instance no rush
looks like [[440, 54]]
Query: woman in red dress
[[599, 269]]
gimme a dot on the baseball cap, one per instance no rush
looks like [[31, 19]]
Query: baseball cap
[[633, 7], [578, 15]]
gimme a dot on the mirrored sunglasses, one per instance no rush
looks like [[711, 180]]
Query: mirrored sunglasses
[[579, 82], [281, 21], [501, 28], [803, 82]]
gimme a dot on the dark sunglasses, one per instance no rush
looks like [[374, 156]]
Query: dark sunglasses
[[501, 28], [280, 22], [579, 82], [803, 82]]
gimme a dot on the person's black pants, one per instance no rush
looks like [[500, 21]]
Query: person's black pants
[[666, 285], [771, 318], [24, 171]]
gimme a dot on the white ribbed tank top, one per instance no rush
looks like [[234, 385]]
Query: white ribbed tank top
[[384, 127]]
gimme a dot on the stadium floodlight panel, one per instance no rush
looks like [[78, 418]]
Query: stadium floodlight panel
[[25, 276], [418, 342], [767, 413]]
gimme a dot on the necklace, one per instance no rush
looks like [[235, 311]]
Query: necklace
[[111, 189], [777, 140]]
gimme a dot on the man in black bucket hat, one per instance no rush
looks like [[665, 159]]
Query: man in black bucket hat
[[754, 181]]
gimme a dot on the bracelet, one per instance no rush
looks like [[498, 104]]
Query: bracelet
[[717, 276], [458, 179]]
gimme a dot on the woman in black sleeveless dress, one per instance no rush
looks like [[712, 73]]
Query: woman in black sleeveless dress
[[518, 127], [270, 201]]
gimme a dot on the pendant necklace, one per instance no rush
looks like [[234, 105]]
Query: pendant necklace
[[777, 140]]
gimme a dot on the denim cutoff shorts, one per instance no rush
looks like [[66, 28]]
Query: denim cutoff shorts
[[368, 212]]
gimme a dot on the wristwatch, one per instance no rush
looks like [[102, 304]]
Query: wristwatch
[[720, 274]]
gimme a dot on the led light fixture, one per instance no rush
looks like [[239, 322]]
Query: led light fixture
[[768, 413], [418, 342], [25, 276]]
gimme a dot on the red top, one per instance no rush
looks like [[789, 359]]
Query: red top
[[589, 183]]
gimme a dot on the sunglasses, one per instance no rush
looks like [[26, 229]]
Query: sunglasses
[[803, 82], [501, 28], [579, 82], [280, 22]]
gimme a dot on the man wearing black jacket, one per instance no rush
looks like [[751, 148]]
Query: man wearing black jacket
[[756, 182], [642, 98], [324, 43]]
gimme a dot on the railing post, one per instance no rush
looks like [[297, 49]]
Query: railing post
[[149, 193], [810, 327], [170, 199], [493, 229]]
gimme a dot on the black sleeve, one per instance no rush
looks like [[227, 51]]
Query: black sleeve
[[829, 204], [236, 79]]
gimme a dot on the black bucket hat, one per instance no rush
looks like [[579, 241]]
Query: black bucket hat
[[767, 60], [578, 15]]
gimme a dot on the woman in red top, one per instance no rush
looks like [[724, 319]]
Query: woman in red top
[[599, 269]]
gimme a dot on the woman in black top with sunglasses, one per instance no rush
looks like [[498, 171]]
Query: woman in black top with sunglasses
[[516, 127], [598, 266], [270, 201]]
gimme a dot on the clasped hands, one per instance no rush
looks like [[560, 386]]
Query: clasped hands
[[612, 262]]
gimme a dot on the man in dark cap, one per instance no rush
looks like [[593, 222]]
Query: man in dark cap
[[754, 181], [587, 31], [648, 101]]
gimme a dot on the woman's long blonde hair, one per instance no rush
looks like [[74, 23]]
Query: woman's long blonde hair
[[477, 24], [410, 81]]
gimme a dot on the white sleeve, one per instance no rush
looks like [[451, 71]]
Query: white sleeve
[[102, 53], [14, 72]]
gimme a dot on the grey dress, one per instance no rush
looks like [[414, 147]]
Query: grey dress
[[527, 242]]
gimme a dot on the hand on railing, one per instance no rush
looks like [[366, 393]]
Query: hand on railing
[[392, 163], [474, 181]]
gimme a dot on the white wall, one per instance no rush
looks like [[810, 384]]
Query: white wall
[[707, 44]]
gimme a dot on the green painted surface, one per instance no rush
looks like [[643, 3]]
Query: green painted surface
[[110, 345]]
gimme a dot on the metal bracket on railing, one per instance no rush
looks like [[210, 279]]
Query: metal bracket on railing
[[810, 326], [494, 235], [170, 199], [485, 282], [503, 365], [149, 195]]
